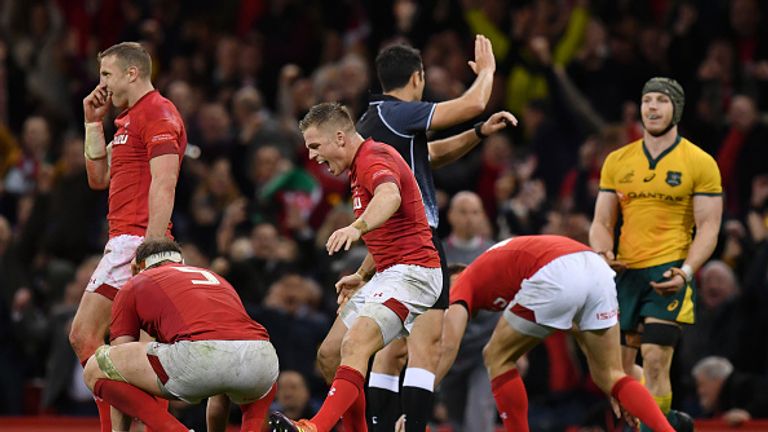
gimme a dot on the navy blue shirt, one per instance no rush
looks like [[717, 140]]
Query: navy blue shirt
[[404, 126]]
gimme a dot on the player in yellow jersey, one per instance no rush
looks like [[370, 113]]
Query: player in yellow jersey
[[663, 186]]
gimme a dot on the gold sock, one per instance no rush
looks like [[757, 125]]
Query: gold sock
[[664, 402]]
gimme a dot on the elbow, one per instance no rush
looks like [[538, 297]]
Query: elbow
[[97, 184]]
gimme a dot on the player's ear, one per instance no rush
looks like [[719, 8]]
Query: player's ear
[[416, 78], [133, 73], [340, 137]]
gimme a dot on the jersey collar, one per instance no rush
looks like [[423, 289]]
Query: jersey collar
[[653, 162]]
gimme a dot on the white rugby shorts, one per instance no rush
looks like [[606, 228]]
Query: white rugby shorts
[[575, 288], [114, 268], [244, 370], [405, 290]]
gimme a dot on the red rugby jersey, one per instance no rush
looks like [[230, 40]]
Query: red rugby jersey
[[493, 279], [150, 128], [177, 302], [405, 238]]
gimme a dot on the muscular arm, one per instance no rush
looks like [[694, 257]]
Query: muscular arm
[[604, 222], [472, 103], [162, 190], [467, 106], [385, 202], [445, 151], [454, 326], [707, 213]]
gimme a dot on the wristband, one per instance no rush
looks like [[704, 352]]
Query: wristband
[[479, 130], [365, 276], [94, 148], [688, 270], [361, 225]]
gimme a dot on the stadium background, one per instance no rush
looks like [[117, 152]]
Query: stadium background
[[250, 205]]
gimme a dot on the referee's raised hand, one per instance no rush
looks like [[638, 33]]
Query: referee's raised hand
[[484, 59]]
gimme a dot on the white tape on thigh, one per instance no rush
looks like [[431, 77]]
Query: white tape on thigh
[[389, 323]]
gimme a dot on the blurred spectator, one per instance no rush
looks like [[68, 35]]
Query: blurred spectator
[[292, 396], [726, 393], [65, 392], [289, 313], [466, 391], [743, 153]]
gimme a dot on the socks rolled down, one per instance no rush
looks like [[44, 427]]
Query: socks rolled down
[[255, 413], [417, 398], [383, 402], [163, 404], [137, 403], [346, 387], [511, 400], [105, 415], [639, 402]]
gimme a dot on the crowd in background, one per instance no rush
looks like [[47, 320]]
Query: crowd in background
[[252, 207]]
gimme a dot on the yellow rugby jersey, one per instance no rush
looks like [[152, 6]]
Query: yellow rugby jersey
[[656, 198]]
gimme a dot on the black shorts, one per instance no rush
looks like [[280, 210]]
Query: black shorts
[[442, 301]]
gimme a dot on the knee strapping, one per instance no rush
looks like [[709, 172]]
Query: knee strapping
[[105, 364], [661, 334]]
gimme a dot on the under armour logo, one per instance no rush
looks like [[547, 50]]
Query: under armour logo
[[378, 294], [332, 391]]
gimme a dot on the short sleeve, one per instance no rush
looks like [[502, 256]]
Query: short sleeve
[[606, 175], [380, 168], [125, 319], [407, 118], [161, 136], [707, 181], [461, 292]]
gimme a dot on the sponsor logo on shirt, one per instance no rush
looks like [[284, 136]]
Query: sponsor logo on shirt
[[673, 305], [627, 177], [162, 137], [120, 139]]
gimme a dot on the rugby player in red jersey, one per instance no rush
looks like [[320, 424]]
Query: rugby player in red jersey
[[140, 167], [543, 283], [408, 279], [205, 344]]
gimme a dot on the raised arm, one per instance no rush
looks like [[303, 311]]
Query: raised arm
[[445, 151], [472, 103], [162, 191], [95, 107]]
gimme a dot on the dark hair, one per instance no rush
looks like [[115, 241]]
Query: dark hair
[[455, 268], [155, 246], [327, 112], [130, 54], [395, 64]]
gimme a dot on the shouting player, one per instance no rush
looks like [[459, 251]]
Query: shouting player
[[392, 222]]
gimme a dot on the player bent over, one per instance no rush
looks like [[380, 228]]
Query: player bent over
[[205, 345], [392, 222], [544, 283]]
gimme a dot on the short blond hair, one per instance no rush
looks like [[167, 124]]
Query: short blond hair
[[130, 54], [328, 113]]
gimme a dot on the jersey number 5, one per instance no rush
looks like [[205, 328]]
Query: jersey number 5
[[210, 279]]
